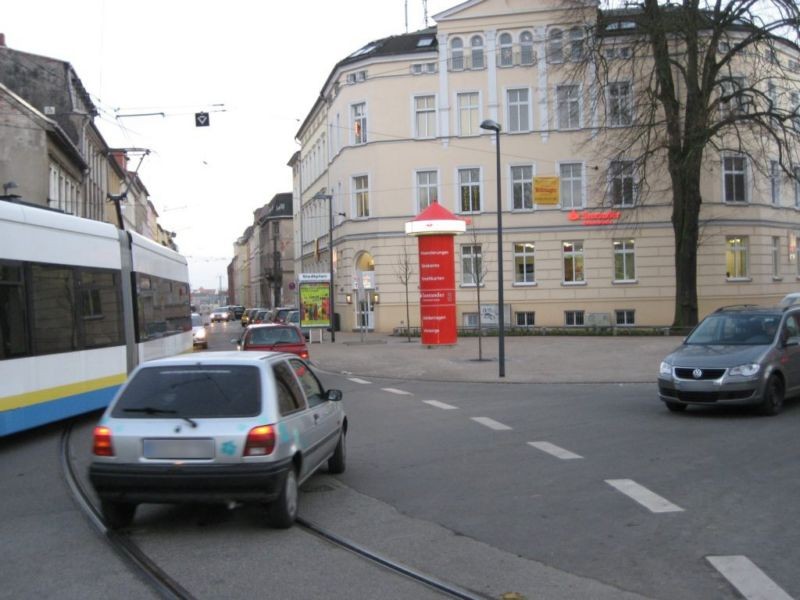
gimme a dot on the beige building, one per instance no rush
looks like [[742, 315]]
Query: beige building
[[397, 126]]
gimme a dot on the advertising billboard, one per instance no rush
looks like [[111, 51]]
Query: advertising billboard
[[315, 304], [437, 289]]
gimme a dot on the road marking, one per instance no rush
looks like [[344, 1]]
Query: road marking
[[398, 392], [746, 577], [491, 423], [357, 380], [651, 501], [554, 450], [441, 405]]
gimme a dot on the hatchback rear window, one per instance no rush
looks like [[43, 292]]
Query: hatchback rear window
[[270, 336], [201, 391]]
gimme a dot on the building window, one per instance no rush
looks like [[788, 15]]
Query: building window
[[470, 320], [471, 265], [506, 50], [621, 183], [522, 187], [732, 99], [625, 317], [477, 51], [734, 179], [427, 189], [457, 54], [619, 104], [575, 44], [555, 46], [425, 116], [573, 318], [469, 187], [468, 113], [525, 319], [568, 106], [797, 187], [736, 257], [776, 257], [526, 48], [360, 123], [518, 108], [572, 253], [624, 260], [525, 263], [361, 194], [571, 185], [775, 182]]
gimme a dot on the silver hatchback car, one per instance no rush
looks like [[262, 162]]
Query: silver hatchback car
[[736, 355], [217, 427]]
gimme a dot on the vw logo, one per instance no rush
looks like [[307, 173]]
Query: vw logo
[[697, 373]]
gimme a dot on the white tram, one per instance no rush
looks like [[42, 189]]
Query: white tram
[[81, 304]]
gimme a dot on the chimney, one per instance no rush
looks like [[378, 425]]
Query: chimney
[[2, 40]]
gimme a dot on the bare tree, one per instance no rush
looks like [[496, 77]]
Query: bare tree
[[404, 270], [675, 86], [479, 276]]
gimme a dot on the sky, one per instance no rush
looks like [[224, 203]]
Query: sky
[[255, 66]]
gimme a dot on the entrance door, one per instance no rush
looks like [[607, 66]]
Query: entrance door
[[365, 311]]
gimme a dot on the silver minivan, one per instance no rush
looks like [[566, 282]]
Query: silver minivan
[[217, 427]]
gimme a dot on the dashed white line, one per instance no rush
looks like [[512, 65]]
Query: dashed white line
[[746, 577], [357, 380], [554, 450], [491, 423], [441, 405], [650, 500], [398, 392]]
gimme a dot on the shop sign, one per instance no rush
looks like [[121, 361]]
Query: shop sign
[[545, 190], [589, 218]]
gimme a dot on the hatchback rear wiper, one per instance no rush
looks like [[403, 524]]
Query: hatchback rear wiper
[[149, 410]]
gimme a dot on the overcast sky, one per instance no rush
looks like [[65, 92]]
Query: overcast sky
[[265, 62]]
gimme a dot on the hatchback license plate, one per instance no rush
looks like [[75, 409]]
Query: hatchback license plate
[[188, 448]]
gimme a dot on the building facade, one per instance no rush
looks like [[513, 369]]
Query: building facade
[[397, 126]]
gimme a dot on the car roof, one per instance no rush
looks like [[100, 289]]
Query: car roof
[[271, 326], [228, 357], [750, 308]]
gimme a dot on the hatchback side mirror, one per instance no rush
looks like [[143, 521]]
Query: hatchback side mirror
[[333, 395]]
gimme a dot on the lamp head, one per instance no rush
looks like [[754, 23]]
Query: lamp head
[[491, 125]]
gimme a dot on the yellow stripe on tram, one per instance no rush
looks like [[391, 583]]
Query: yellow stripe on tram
[[61, 391]]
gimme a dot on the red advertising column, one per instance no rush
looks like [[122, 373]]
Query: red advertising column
[[435, 229]]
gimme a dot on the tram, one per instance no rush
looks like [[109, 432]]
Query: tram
[[81, 304]]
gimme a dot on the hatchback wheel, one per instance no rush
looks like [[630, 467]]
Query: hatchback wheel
[[336, 463], [117, 514], [283, 511], [773, 396]]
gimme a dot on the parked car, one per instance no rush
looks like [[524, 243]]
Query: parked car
[[222, 313], [790, 299], [279, 337], [199, 332], [237, 311], [262, 316], [736, 355], [218, 427], [248, 315], [279, 314], [293, 318]]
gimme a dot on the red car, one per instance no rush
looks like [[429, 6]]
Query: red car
[[276, 337]]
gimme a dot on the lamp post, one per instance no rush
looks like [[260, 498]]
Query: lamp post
[[490, 125]]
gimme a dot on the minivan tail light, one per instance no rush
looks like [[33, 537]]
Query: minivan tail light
[[260, 441], [102, 442]]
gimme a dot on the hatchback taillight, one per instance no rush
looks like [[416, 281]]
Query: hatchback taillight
[[304, 354], [102, 442], [260, 441]]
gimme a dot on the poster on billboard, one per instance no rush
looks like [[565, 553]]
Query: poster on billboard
[[314, 303]]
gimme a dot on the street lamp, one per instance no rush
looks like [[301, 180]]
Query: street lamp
[[490, 125]]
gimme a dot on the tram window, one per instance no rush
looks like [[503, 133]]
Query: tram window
[[53, 299], [162, 306], [101, 308], [13, 322]]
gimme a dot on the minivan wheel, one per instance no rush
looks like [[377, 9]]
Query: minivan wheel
[[283, 511], [336, 463], [675, 406], [117, 514], [773, 396]]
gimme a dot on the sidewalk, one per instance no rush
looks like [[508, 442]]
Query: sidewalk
[[529, 359]]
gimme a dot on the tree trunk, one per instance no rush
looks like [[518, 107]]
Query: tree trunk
[[685, 175]]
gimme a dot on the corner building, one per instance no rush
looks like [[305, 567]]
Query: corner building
[[397, 126]]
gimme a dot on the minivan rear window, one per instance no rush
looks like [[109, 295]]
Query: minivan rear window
[[197, 391]]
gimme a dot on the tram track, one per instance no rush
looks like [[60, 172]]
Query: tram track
[[166, 587]]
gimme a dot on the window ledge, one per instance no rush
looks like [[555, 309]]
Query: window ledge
[[471, 285], [525, 284], [738, 279], [624, 281], [777, 278], [572, 283]]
